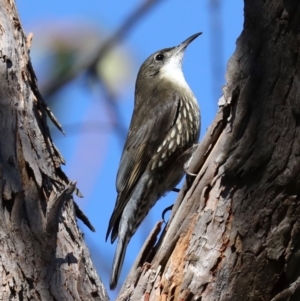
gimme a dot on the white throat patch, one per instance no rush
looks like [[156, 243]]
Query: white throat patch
[[173, 72]]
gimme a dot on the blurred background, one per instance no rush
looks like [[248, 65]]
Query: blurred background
[[86, 55]]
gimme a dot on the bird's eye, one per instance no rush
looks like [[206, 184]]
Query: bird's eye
[[159, 57]]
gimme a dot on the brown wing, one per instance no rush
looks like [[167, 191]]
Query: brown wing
[[147, 131]]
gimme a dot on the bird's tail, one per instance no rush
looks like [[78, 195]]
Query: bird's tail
[[118, 262]]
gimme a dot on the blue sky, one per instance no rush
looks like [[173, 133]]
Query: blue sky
[[93, 153]]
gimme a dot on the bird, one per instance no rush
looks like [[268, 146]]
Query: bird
[[165, 125]]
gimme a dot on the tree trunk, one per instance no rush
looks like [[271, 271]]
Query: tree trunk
[[43, 255], [234, 233]]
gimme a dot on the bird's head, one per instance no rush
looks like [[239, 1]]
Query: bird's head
[[164, 64]]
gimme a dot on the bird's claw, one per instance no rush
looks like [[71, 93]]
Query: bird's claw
[[165, 211]]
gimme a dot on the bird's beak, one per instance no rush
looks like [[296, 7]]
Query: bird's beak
[[181, 47]]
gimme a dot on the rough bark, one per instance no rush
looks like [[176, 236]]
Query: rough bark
[[43, 255], [234, 232]]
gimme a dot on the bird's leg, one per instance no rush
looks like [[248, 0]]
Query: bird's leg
[[165, 211], [186, 165], [184, 158], [189, 173]]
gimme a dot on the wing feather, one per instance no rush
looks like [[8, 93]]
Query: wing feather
[[139, 149]]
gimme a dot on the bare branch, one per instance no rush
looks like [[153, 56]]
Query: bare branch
[[91, 62]]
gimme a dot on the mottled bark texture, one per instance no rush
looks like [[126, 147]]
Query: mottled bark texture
[[234, 233], [42, 252]]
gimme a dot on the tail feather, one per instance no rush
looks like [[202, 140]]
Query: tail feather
[[118, 262]]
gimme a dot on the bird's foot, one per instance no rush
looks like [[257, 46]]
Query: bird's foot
[[165, 211]]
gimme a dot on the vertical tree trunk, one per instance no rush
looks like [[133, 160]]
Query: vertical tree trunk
[[43, 255], [234, 233]]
